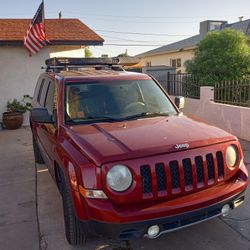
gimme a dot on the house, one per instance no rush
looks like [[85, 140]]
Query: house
[[175, 54], [19, 71]]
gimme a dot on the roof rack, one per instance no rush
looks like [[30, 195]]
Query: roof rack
[[65, 63]]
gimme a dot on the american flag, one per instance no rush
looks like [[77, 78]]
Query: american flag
[[35, 37]]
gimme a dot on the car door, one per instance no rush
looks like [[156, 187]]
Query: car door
[[49, 130]]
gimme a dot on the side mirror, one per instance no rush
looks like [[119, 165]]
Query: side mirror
[[179, 102], [40, 115]]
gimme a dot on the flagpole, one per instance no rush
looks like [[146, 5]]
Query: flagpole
[[43, 14]]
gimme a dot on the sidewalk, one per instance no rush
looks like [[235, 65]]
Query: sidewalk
[[18, 222]]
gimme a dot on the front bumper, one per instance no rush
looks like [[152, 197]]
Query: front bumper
[[126, 231]]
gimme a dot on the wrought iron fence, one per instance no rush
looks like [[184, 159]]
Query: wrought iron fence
[[183, 85], [235, 92]]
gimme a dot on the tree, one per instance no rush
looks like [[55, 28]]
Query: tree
[[221, 55], [88, 53]]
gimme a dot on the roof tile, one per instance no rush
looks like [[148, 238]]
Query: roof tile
[[58, 30]]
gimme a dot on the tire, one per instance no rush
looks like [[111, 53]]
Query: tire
[[37, 153], [73, 230]]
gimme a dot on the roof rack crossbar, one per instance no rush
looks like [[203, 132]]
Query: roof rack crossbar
[[70, 61], [76, 67]]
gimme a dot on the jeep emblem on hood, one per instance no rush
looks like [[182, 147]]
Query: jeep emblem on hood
[[181, 146]]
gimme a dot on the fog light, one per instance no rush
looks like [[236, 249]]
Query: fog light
[[238, 201], [225, 210], [153, 231]]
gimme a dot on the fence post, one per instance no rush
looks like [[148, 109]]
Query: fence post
[[168, 83], [206, 94]]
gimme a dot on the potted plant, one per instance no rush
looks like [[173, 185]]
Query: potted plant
[[13, 118]]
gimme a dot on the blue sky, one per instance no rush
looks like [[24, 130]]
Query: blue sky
[[175, 19]]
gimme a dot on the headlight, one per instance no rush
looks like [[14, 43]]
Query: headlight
[[119, 178], [231, 156]]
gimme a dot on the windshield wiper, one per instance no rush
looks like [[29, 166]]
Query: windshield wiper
[[113, 119], [103, 118], [146, 114]]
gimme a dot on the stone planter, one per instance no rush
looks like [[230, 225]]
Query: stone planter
[[12, 120]]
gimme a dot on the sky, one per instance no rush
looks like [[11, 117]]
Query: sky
[[135, 25]]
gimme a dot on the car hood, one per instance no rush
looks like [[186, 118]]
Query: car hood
[[111, 142]]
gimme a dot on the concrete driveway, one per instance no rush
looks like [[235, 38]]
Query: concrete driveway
[[31, 210]]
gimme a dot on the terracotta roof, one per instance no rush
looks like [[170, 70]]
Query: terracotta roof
[[59, 32]]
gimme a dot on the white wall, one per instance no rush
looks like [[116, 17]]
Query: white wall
[[19, 72], [64, 51], [233, 119]]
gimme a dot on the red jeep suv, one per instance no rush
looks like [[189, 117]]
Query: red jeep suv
[[126, 161]]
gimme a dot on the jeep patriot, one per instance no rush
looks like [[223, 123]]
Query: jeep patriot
[[127, 162]]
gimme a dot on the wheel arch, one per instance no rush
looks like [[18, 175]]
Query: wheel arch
[[77, 200]]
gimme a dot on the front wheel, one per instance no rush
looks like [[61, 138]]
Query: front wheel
[[73, 230]]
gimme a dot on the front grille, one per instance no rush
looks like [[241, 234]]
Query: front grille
[[210, 166], [187, 168], [220, 163], [199, 169], [161, 176], [146, 179], [189, 171], [175, 178]]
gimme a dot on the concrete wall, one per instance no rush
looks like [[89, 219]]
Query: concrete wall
[[233, 119], [164, 59], [19, 72]]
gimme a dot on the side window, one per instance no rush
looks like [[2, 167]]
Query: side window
[[40, 91], [43, 93], [51, 99], [38, 85]]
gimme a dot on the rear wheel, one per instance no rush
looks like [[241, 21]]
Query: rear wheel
[[73, 230], [37, 153]]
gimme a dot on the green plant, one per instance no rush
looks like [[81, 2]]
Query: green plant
[[220, 56], [19, 106]]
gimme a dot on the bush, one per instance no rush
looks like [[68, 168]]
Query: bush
[[220, 56]]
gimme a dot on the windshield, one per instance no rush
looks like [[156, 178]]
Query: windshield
[[114, 101]]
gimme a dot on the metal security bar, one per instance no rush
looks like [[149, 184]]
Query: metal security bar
[[183, 85], [236, 92]]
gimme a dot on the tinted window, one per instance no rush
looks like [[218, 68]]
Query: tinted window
[[40, 90], [37, 89], [43, 93], [51, 99], [49, 103]]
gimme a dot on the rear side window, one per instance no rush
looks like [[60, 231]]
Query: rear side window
[[40, 91], [43, 92], [38, 88], [49, 103], [51, 99]]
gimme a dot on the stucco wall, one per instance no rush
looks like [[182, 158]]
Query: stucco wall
[[233, 119], [19, 72], [164, 59]]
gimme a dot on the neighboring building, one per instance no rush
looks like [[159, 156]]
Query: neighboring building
[[175, 54], [19, 71]]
